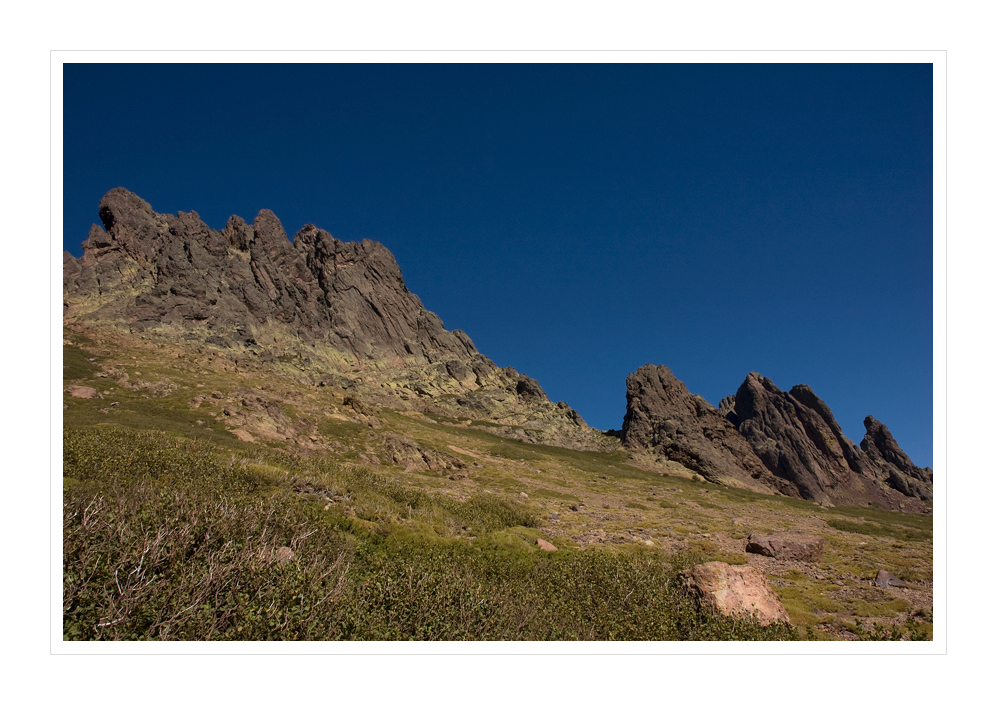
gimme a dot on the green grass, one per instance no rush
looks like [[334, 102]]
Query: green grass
[[78, 364], [886, 517], [170, 538], [339, 430], [869, 528], [804, 603], [172, 527]]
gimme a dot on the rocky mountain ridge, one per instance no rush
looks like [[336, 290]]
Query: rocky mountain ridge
[[763, 437], [339, 310], [337, 316]]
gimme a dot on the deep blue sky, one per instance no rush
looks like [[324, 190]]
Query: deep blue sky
[[577, 221]]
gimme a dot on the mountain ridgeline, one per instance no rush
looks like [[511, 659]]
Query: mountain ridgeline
[[338, 314], [768, 440]]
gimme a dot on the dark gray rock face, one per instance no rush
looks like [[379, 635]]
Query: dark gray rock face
[[792, 439], [663, 416], [339, 309], [854, 457], [899, 472], [726, 408], [796, 436], [529, 388], [147, 269], [789, 442]]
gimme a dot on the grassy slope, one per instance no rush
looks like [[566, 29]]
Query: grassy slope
[[173, 525]]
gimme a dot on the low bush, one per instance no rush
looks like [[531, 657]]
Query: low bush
[[166, 538]]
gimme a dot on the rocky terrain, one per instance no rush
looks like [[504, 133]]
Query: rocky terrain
[[339, 312], [238, 368], [664, 417], [766, 439]]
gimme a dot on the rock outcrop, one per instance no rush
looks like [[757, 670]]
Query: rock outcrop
[[147, 270], [763, 437], [664, 417], [900, 473], [798, 439], [792, 438], [339, 311], [885, 579]]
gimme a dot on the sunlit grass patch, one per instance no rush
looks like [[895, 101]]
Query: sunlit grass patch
[[870, 528], [77, 364]]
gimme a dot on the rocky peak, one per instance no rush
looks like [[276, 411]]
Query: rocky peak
[[341, 307], [898, 469], [664, 417], [148, 269], [854, 457], [797, 437], [130, 223], [787, 441], [791, 435]]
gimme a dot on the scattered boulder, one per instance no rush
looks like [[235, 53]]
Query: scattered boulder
[[735, 590], [243, 435], [81, 392], [887, 579], [787, 546], [545, 545], [407, 453], [359, 406]]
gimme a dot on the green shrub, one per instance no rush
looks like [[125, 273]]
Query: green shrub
[[169, 538]]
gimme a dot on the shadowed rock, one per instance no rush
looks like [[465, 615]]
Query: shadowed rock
[[885, 578], [796, 436], [148, 269], [529, 388], [900, 473], [664, 417]]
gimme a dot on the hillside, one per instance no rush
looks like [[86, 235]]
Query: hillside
[[273, 439]]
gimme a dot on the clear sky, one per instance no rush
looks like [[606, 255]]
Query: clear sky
[[577, 221]]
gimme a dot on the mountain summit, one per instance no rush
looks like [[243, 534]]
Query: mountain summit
[[765, 439], [148, 270], [338, 315], [339, 310]]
